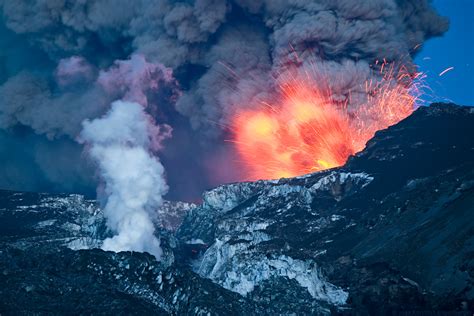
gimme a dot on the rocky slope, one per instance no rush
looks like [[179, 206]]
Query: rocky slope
[[391, 231]]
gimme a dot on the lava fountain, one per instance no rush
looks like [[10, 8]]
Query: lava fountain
[[307, 131]]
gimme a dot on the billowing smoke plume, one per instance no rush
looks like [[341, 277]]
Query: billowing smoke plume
[[60, 65], [123, 143], [120, 143]]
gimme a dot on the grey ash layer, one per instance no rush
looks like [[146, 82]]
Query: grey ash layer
[[392, 230]]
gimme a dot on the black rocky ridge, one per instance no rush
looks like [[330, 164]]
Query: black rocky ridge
[[389, 233]]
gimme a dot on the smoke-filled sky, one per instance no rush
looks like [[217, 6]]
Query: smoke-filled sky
[[191, 66]]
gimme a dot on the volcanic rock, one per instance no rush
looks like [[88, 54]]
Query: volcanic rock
[[390, 232]]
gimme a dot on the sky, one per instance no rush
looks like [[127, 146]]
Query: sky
[[454, 49]]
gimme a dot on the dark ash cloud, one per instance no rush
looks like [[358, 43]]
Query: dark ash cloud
[[65, 61]]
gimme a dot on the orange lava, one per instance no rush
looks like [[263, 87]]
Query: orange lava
[[306, 132]]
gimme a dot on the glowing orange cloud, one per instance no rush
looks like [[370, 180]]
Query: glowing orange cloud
[[307, 132]]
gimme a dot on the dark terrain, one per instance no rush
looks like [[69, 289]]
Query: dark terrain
[[389, 233]]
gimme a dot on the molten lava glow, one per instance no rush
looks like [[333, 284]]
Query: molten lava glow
[[307, 132]]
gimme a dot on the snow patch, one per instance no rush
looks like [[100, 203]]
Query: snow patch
[[195, 242], [46, 223], [226, 197], [239, 269], [326, 182]]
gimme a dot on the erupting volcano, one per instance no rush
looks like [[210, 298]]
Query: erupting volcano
[[307, 130]]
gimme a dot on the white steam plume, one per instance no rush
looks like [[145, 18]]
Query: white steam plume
[[122, 143], [134, 179]]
